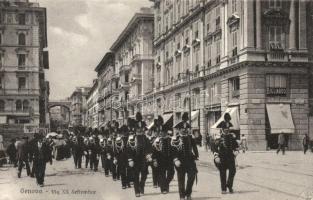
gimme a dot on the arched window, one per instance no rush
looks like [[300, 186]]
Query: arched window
[[18, 105], [25, 105], [2, 105], [21, 39]]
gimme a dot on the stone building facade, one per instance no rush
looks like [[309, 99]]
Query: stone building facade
[[79, 106], [92, 115], [108, 89], [23, 60], [133, 51], [249, 58]]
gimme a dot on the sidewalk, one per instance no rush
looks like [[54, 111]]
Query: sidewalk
[[258, 157]]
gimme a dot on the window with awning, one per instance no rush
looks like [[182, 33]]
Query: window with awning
[[195, 119], [235, 120], [280, 118], [168, 121]]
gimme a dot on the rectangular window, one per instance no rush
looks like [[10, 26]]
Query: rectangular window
[[234, 43], [21, 19], [21, 60], [208, 20], [235, 86], [275, 4], [218, 52], [1, 61], [276, 85], [234, 6], [1, 86], [276, 38], [21, 83]]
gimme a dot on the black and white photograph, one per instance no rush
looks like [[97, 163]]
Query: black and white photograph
[[156, 99]]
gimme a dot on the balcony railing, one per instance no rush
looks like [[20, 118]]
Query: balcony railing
[[276, 91], [136, 78], [139, 57], [124, 68], [124, 85]]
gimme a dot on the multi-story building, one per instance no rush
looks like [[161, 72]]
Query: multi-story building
[[93, 106], [108, 89], [248, 58], [79, 106], [133, 62], [23, 38]]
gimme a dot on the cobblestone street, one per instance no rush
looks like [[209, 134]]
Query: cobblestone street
[[260, 175]]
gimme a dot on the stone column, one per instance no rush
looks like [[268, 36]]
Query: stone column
[[292, 32], [259, 24], [302, 25]]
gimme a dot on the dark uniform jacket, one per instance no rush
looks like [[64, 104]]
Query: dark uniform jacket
[[224, 147], [188, 151], [164, 155], [143, 148]]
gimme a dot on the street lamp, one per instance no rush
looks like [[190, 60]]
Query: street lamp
[[188, 74]]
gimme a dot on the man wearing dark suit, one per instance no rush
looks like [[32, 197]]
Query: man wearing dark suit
[[185, 152], [140, 155], [225, 149], [23, 156], [41, 154]]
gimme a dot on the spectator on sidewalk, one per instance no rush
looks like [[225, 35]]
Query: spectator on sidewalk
[[243, 143], [23, 156], [281, 143], [41, 154], [305, 143], [11, 151]]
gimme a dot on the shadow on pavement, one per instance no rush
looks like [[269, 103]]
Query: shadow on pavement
[[50, 185], [158, 193], [66, 173], [245, 191], [205, 198]]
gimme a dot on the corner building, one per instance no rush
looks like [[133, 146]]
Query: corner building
[[134, 63], [249, 58], [23, 59]]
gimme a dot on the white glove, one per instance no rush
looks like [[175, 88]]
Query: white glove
[[149, 158], [131, 163], [217, 160], [115, 161], [177, 163], [155, 163], [236, 153], [109, 156]]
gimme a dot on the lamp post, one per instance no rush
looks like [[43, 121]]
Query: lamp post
[[188, 74]]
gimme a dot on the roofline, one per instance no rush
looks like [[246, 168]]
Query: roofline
[[131, 24], [92, 89], [105, 58]]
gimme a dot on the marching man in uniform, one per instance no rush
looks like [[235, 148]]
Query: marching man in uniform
[[225, 150], [140, 155], [185, 152], [162, 156]]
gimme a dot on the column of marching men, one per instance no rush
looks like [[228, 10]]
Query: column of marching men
[[127, 151]]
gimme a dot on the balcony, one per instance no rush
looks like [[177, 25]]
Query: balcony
[[22, 91], [114, 76], [141, 57], [276, 91], [124, 68], [124, 86], [136, 78]]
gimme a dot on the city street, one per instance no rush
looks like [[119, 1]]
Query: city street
[[260, 175]]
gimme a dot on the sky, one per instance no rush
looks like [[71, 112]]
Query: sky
[[80, 32]]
